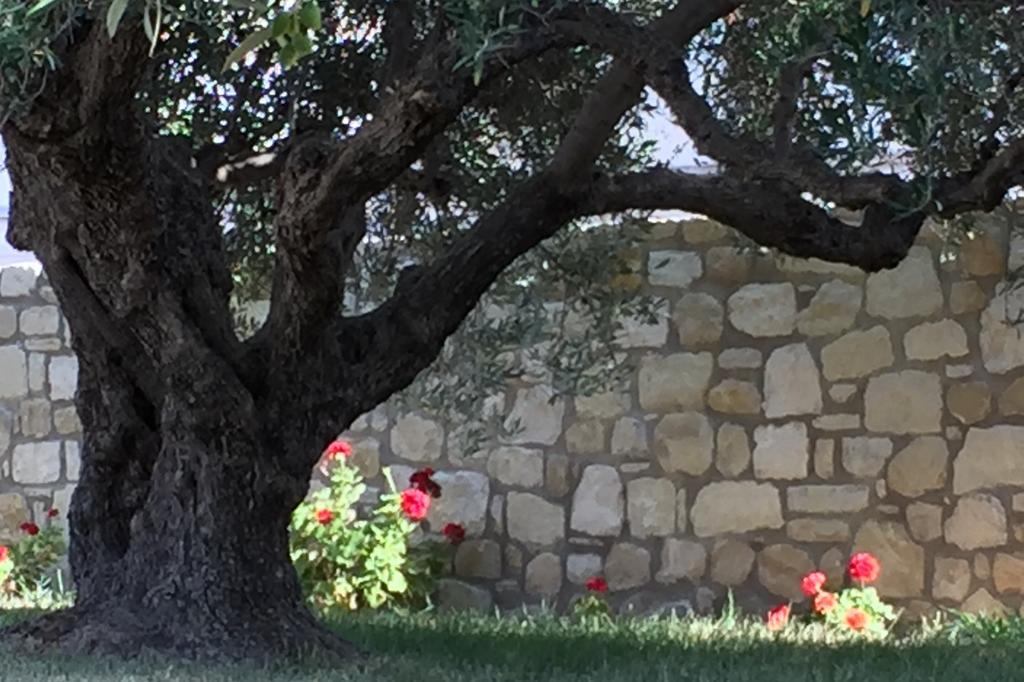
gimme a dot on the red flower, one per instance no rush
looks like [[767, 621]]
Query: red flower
[[53, 513], [455, 533], [812, 583], [864, 568], [599, 585], [415, 504], [778, 618], [422, 481], [825, 602], [30, 528], [856, 619], [338, 447], [4, 553], [324, 516]]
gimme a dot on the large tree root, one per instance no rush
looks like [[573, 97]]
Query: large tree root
[[295, 637]]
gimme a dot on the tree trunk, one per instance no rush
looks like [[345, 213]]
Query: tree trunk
[[196, 451], [179, 540]]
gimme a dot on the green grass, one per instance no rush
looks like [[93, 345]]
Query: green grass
[[474, 649]]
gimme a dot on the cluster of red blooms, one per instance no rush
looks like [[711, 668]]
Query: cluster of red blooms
[[338, 447], [454, 532], [596, 584], [415, 500], [863, 569], [4, 553], [423, 481]]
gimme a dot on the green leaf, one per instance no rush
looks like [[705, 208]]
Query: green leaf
[[251, 42], [282, 25], [114, 15], [309, 16], [289, 56], [303, 46], [40, 6]]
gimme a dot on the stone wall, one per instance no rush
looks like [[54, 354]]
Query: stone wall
[[782, 414], [39, 428]]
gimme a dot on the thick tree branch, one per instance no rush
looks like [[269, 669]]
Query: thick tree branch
[[986, 187], [791, 83], [399, 35], [623, 85], [363, 361], [770, 213], [799, 169], [324, 179]]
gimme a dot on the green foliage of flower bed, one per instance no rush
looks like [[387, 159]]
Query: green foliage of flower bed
[[27, 566], [376, 559]]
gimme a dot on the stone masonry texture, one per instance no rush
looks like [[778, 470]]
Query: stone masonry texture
[[783, 414]]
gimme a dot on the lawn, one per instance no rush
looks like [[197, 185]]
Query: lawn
[[474, 649]]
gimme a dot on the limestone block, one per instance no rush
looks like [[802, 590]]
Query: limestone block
[[764, 309], [735, 507], [598, 505], [675, 381], [684, 443], [903, 402], [911, 289], [781, 451], [651, 507]]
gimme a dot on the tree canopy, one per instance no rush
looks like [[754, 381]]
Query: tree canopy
[[816, 103]]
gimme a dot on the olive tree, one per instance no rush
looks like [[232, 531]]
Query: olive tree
[[376, 168]]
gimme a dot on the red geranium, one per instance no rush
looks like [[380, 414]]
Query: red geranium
[[864, 568], [825, 602], [4, 553], [338, 447], [596, 584], [30, 528], [53, 513], [778, 618], [415, 504], [856, 619], [812, 583], [455, 533], [324, 516], [422, 480]]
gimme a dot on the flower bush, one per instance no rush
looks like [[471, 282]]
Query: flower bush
[[351, 561], [592, 605], [857, 609], [25, 565]]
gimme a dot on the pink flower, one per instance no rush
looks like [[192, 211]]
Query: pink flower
[[338, 447], [4, 553], [825, 602], [812, 583], [856, 619], [415, 504], [778, 618], [864, 568], [324, 516], [596, 584], [53, 513]]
